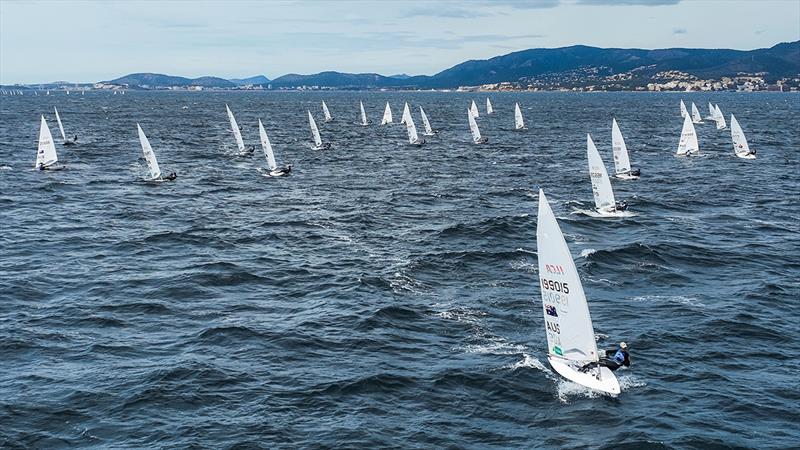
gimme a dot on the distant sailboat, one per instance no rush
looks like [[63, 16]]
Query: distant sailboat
[[684, 112], [721, 125], [622, 163], [474, 110], [318, 145], [604, 202], [473, 127], [363, 115], [688, 143], [740, 146], [571, 345], [428, 130], [387, 115], [46, 157], [489, 108], [274, 171], [406, 112], [64, 139], [519, 124], [696, 114], [328, 117], [237, 133], [712, 113], [149, 156], [413, 139]]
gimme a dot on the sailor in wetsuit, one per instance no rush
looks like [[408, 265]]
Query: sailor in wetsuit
[[614, 359], [621, 205], [635, 172], [171, 176]]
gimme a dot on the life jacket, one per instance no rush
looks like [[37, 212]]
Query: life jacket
[[619, 357]]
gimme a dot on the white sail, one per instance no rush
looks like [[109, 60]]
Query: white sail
[[474, 110], [622, 163], [237, 134], [60, 127], [688, 143], [314, 130], [363, 114], [696, 114], [720, 119], [412, 129], [327, 113], [149, 156], [739, 141], [601, 184], [473, 127], [568, 326], [518, 122], [684, 112], [428, 129], [406, 112], [712, 113], [266, 146], [489, 108], [387, 115], [46, 153]]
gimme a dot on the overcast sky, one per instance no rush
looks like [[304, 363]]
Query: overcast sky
[[86, 41]]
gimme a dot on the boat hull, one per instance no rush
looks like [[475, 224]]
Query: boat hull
[[606, 383]]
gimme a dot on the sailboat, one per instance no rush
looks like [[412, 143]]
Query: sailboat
[[150, 157], [571, 343], [684, 112], [237, 132], [489, 108], [413, 139], [696, 114], [622, 163], [720, 119], [363, 114], [519, 124], [712, 113], [64, 139], [740, 146], [406, 112], [46, 157], [318, 145], [428, 130], [688, 144], [328, 117], [474, 110], [274, 171], [387, 115], [473, 127], [605, 205]]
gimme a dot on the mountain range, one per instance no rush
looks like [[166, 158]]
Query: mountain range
[[638, 65]]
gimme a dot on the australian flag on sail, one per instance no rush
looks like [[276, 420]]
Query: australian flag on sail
[[551, 310]]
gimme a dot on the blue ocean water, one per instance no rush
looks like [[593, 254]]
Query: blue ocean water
[[385, 295]]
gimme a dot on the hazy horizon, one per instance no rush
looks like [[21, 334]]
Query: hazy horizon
[[87, 41]]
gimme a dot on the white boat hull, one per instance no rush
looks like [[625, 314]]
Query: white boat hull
[[626, 176], [750, 156], [606, 383], [605, 214]]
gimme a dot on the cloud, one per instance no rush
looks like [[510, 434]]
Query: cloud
[[629, 2], [679, 31]]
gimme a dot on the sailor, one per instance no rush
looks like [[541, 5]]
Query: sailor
[[614, 359], [752, 152], [635, 172], [252, 149], [326, 146], [171, 176], [282, 171], [621, 205], [75, 139]]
